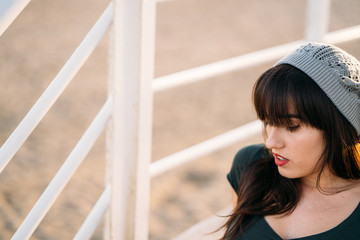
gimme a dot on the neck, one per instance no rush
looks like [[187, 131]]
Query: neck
[[328, 182]]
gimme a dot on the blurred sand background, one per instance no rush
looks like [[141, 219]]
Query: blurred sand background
[[189, 33]]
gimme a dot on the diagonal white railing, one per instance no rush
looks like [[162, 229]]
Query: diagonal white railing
[[41, 107], [246, 60], [57, 86], [95, 216], [9, 11], [129, 106], [63, 176]]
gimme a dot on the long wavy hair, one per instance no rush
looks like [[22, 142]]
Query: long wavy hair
[[262, 190]]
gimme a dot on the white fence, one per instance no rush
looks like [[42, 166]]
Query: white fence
[[128, 111]]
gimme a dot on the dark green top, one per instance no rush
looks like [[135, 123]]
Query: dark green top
[[349, 229]]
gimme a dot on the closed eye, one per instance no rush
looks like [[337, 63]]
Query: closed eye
[[293, 128]]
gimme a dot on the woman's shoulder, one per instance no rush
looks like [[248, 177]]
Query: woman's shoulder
[[243, 158], [249, 154]]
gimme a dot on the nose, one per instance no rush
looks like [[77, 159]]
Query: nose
[[273, 137]]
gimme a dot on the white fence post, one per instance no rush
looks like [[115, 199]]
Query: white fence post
[[131, 76], [317, 19]]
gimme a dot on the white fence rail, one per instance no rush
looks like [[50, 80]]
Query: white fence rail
[[38, 111], [246, 60], [57, 86], [206, 147], [132, 87], [96, 215], [9, 12], [63, 176]]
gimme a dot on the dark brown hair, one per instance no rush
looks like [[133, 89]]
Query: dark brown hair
[[262, 190]]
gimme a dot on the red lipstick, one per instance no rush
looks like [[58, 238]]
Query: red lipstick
[[280, 160]]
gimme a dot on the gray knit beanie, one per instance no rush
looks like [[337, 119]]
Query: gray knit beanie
[[335, 71]]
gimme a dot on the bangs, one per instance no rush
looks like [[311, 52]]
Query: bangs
[[279, 96]]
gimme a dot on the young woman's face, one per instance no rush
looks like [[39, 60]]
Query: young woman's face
[[297, 148]]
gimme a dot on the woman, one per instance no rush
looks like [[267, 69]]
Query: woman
[[304, 183]]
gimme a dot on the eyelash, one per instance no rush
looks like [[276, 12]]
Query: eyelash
[[293, 128]]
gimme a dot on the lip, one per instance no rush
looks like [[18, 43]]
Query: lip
[[279, 162]]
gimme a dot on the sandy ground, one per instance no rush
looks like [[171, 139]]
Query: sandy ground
[[189, 34]]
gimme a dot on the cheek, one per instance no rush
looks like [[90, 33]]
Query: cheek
[[306, 151], [311, 142], [310, 150]]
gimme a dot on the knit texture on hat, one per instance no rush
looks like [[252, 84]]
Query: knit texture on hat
[[335, 71]]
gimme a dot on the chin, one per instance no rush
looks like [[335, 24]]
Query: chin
[[287, 173]]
